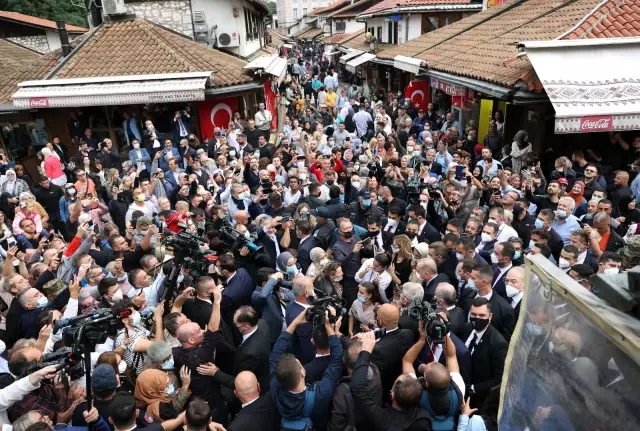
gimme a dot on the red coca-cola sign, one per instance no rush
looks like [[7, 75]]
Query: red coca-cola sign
[[38, 102], [600, 123]]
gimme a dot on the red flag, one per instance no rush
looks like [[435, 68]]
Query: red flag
[[216, 113], [270, 103], [418, 92]]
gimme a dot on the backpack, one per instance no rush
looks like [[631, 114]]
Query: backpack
[[302, 422], [443, 422]]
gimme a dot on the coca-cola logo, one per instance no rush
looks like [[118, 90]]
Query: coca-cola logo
[[38, 102], [602, 123]]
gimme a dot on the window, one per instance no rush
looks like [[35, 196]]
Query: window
[[341, 26], [295, 14], [304, 11], [247, 24], [379, 35], [371, 30]]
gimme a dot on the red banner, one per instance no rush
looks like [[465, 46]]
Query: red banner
[[600, 123], [418, 92], [216, 113], [270, 103]]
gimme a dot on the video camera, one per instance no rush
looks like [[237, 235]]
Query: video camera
[[93, 328], [436, 329], [235, 240], [186, 250], [414, 188], [319, 306], [65, 360]]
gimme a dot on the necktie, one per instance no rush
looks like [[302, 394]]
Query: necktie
[[472, 344], [388, 228], [432, 354]]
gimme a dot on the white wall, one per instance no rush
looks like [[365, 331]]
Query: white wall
[[415, 26], [53, 40], [351, 27]]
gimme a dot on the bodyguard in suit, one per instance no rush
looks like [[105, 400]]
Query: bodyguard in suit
[[238, 286], [514, 282], [488, 350], [428, 272], [255, 348], [172, 175], [435, 353], [306, 244], [301, 345], [488, 241], [271, 302], [317, 366], [502, 315], [426, 232], [258, 413], [502, 259], [466, 248], [580, 240], [389, 350], [445, 296], [380, 240]]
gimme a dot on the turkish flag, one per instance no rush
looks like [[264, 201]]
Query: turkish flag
[[216, 113], [270, 103], [418, 92]]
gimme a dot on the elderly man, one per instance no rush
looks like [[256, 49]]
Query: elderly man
[[446, 298], [301, 345], [514, 284], [427, 270], [565, 222], [410, 295]]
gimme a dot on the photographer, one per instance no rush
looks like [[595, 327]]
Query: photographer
[[294, 400], [301, 345], [445, 385], [270, 299], [20, 388]]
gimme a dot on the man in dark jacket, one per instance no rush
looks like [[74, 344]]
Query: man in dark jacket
[[48, 195], [362, 209], [288, 387], [269, 298], [259, 412]]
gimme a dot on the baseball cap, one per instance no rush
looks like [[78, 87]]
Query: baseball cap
[[53, 287], [364, 194], [321, 212], [563, 181], [103, 378]]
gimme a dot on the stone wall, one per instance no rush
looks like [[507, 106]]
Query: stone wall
[[174, 15], [37, 43]]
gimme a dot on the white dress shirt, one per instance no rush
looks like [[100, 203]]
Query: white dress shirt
[[385, 278], [479, 337], [502, 272]]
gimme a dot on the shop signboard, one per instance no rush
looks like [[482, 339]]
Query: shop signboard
[[216, 113], [450, 89], [393, 18], [601, 123]]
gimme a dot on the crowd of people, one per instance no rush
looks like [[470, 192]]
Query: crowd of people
[[370, 201]]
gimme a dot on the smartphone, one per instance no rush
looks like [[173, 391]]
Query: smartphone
[[285, 219], [366, 241], [459, 171], [160, 228]]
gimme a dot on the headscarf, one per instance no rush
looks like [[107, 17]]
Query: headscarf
[[45, 152], [10, 185], [316, 254], [422, 248], [150, 390], [282, 260], [577, 197]]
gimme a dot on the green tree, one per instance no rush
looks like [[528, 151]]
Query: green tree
[[272, 7], [69, 11]]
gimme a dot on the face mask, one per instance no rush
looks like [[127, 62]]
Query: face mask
[[485, 237], [355, 184], [168, 364], [395, 249], [246, 194], [539, 224], [534, 329], [136, 146], [611, 271], [71, 192], [459, 256], [416, 153], [392, 222], [424, 205], [564, 263], [517, 255], [361, 299], [411, 235], [511, 291], [366, 203], [337, 279], [561, 214], [531, 244], [42, 302], [479, 324], [232, 153], [468, 137], [472, 284], [341, 198], [494, 258], [117, 296], [292, 269], [330, 182], [122, 367], [136, 318], [596, 198], [170, 389], [304, 214], [302, 177], [347, 234], [409, 149]]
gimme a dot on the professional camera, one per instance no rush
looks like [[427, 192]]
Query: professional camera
[[65, 360], [319, 306], [433, 189], [436, 328], [414, 188], [186, 249], [235, 240], [267, 187], [93, 328]]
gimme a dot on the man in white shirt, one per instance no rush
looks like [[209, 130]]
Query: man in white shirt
[[502, 258], [375, 271], [263, 120], [496, 215]]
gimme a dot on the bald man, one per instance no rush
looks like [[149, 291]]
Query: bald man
[[446, 296], [241, 217], [258, 413], [622, 189], [389, 350], [514, 285], [427, 270]]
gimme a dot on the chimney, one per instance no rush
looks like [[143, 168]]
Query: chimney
[[64, 38]]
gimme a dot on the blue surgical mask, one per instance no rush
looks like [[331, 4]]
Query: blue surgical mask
[[170, 389], [366, 203], [292, 269], [539, 223], [362, 299], [561, 214], [517, 255], [416, 153], [42, 302], [471, 284], [168, 364]]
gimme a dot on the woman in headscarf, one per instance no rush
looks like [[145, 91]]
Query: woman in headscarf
[[318, 261], [287, 264], [22, 175], [53, 168], [577, 194], [420, 251], [155, 391], [13, 186], [519, 149]]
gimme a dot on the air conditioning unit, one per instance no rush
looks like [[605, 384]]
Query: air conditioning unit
[[113, 7], [227, 36]]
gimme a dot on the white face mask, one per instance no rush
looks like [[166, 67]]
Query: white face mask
[[117, 296], [136, 146], [122, 367], [459, 256], [485, 237], [564, 263], [511, 291], [356, 184], [391, 222], [494, 258], [302, 177], [611, 271]]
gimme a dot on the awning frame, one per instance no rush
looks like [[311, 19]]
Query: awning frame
[[359, 60], [408, 64], [350, 55]]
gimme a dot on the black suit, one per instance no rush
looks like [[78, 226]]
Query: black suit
[[516, 310], [503, 319], [457, 318], [498, 282], [304, 250], [387, 356], [315, 369], [448, 267], [430, 287], [429, 234], [487, 362], [260, 415], [486, 250], [555, 244], [464, 299], [387, 240], [253, 355], [462, 355], [408, 322]]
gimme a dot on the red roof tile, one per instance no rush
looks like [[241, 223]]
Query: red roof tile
[[612, 19], [155, 50], [483, 46], [389, 4], [350, 10], [331, 7], [332, 40], [38, 22]]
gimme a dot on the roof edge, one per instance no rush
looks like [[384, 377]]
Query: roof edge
[[73, 52], [586, 17]]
